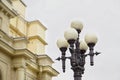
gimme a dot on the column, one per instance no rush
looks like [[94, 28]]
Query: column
[[20, 73]]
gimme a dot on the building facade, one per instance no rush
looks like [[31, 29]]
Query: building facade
[[22, 45]]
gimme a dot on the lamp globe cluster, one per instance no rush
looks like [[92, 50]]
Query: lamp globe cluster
[[77, 48], [72, 34]]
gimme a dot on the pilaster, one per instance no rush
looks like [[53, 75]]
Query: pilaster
[[20, 71], [19, 64]]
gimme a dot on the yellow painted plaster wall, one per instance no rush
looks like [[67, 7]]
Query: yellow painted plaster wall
[[31, 46], [31, 74], [16, 61], [13, 21], [36, 35], [19, 25], [46, 76], [5, 66], [19, 6], [36, 46], [36, 28], [40, 47], [5, 22]]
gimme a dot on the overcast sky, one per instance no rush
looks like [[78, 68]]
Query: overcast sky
[[101, 17]]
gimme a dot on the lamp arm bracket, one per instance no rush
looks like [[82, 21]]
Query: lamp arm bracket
[[59, 58], [96, 53]]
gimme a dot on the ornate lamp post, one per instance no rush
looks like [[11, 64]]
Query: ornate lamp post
[[77, 49]]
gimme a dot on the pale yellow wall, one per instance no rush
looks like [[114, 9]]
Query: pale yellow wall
[[35, 28], [5, 66], [19, 7], [31, 46], [16, 61], [40, 47], [20, 43], [13, 21], [36, 46], [32, 30], [31, 74], [36, 31], [41, 31], [13, 33], [46, 76], [19, 24], [5, 23]]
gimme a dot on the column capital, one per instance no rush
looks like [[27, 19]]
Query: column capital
[[17, 66]]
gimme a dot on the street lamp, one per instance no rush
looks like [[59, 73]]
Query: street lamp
[[77, 49]]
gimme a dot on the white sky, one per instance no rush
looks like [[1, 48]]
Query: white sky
[[99, 16]]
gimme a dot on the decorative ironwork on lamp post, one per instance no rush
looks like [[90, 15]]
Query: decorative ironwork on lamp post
[[77, 49]]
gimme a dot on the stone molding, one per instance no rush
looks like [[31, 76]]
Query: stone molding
[[50, 70], [39, 38], [7, 9]]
